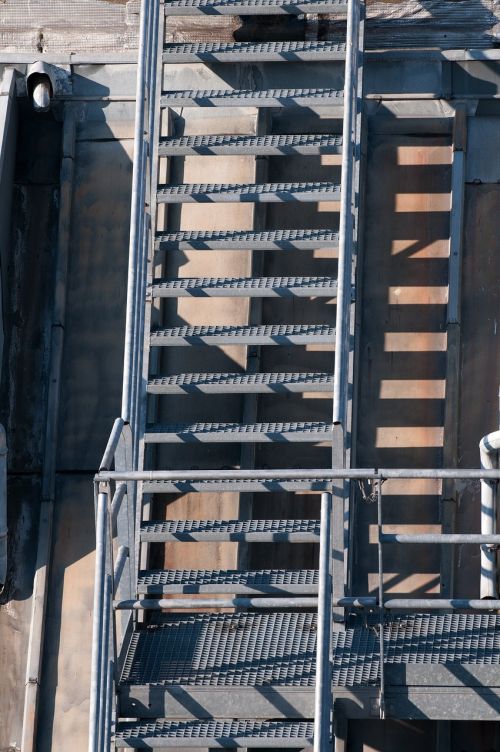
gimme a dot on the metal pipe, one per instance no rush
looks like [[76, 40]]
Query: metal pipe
[[136, 212], [104, 669], [322, 692], [438, 604], [156, 604], [488, 451], [97, 621], [346, 226], [381, 601], [449, 538], [3, 507], [116, 502], [114, 438], [121, 559], [320, 474]]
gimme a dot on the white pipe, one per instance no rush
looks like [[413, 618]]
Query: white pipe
[[488, 448]]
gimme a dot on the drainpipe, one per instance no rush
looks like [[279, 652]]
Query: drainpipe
[[488, 448], [3, 508]]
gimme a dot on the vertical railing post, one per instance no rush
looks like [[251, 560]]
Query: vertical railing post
[[381, 597], [346, 225], [323, 696], [96, 708]]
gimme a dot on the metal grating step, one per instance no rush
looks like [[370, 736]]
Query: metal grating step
[[253, 52], [248, 433], [256, 531], [226, 734], [241, 383], [279, 145], [254, 649], [271, 240], [251, 98], [203, 193], [269, 581], [232, 486], [252, 7], [233, 287], [282, 334]]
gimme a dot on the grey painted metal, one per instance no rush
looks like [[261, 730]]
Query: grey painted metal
[[269, 240], [116, 502], [280, 334], [381, 600], [441, 604], [255, 531], [215, 734], [50, 438], [3, 508], [136, 222], [121, 559], [151, 604], [322, 692], [347, 208], [263, 581], [253, 52], [248, 193], [272, 145], [271, 581], [96, 699], [114, 438], [450, 538], [241, 383], [488, 450], [243, 486], [252, 7], [251, 98], [246, 287], [195, 433], [297, 473]]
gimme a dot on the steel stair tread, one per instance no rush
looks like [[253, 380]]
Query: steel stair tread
[[269, 581], [253, 52], [208, 649], [247, 193], [194, 433], [244, 383], [308, 144], [279, 334], [252, 7], [266, 287], [293, 531], [253, 98], [244, 239], [227, 486], [214, 734]]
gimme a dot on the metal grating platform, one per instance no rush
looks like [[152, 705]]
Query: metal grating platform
[[251, 98], [241, 383], [278, 145], [194, 433], [272, 581], [214, 734], [280, 334], [271, 240], [258, 287], [253, 52], [259, 649], [247, 193], [257, 531], [252, 7]]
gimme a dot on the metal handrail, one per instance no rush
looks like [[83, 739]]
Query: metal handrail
[[346, 221]]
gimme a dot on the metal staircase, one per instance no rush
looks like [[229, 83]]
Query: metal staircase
[[249, 656]]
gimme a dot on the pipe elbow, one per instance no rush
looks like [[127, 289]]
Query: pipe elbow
[[488, 448]]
